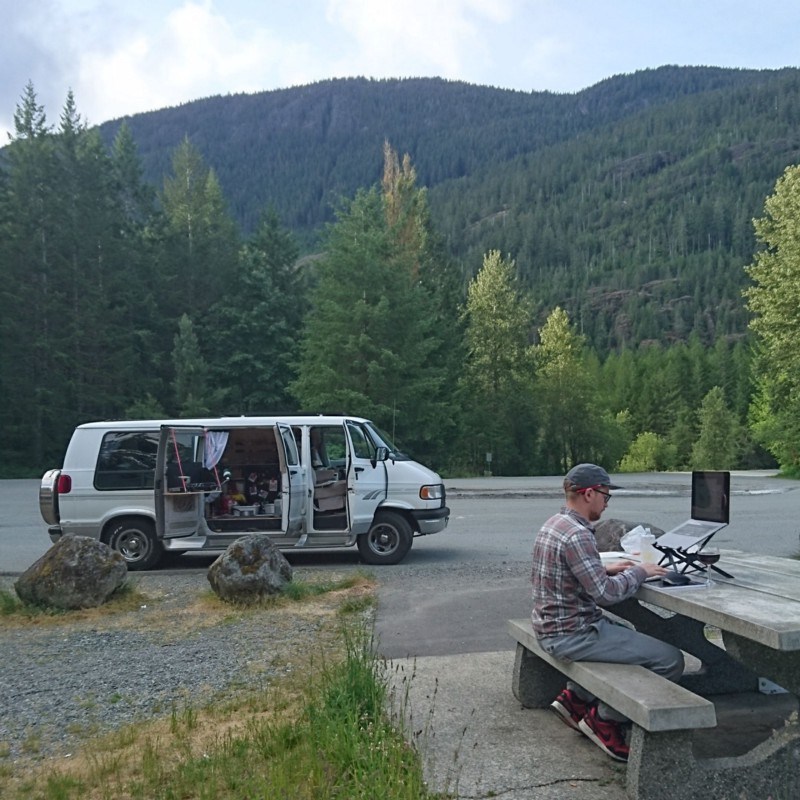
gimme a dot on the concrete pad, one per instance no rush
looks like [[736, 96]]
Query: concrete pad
[[477, 741]]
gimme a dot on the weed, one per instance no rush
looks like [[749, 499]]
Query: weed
[[356, 605], [9, 603]]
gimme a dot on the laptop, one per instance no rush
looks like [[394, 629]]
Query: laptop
[[710, 509]]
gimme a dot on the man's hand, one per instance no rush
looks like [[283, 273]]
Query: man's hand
[[620, 566], [654, 569]]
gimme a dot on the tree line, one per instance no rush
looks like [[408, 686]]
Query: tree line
[[127, 300], [629, 204]]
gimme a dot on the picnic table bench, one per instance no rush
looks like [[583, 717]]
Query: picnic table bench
[[758, 614]]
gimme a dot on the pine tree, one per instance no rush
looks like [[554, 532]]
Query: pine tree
[[496, 389], [193, 396], [29, 290], [255, 347], [201, 239], [576, 422], [369, 339], [719, 442]]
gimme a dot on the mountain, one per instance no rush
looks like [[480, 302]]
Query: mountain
[[629, 203]]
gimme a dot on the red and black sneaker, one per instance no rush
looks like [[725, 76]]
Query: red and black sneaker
[[606, 734], [570, 708]]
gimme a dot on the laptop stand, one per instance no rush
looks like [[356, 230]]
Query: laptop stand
[[679, 560]]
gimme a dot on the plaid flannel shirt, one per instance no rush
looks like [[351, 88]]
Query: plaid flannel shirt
[[569, 579]]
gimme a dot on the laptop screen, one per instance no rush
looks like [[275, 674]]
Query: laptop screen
[[711, 493]]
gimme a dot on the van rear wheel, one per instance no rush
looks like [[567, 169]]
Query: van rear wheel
[[135, 540], [388, 540]]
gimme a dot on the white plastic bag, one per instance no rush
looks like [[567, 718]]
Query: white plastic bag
[[631, 541]]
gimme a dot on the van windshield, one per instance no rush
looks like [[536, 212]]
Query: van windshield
[[382, 439]]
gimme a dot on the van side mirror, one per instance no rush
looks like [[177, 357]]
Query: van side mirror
[[381, 454]]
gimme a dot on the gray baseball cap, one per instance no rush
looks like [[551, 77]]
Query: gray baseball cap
[[586, 476]]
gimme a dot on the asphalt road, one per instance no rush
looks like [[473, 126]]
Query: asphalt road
[[455, 589], [493, 520]]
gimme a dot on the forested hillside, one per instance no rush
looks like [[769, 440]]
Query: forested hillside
[[545, 278], [629, 203]]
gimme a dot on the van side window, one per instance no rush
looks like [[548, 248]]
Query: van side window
[[292, 457], [328, 447], [127, 460], [362, 444]]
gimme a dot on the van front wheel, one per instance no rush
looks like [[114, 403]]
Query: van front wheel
[[135, 540], [388, 540]]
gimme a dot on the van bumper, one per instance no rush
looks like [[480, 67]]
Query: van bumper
[[431, 521]]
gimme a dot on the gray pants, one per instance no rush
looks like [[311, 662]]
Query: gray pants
[[608, 641]]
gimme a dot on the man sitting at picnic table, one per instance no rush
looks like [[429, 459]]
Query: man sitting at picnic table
[[570, 584]]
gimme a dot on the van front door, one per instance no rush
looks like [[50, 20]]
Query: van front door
[[367, 479], [179, 486]]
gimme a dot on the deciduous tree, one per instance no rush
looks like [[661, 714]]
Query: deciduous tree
[[774, 300]]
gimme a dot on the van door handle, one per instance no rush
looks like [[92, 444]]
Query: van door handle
[[358, 469]]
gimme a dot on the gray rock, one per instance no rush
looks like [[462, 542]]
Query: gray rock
[[608, 532], [251, 568], [76, 572]]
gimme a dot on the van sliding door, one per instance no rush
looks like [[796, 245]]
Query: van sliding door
[[180, 484], [293, 481]]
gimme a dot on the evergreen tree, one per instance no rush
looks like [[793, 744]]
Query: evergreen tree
[[137, 288], [193, 397], [29, 288], [496, 389], [369, 341], [201, 239], [576, 422], [256, 345], [719, 442]]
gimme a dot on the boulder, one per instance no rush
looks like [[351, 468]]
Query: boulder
[[76, 572], [608, 532], [250, 569]]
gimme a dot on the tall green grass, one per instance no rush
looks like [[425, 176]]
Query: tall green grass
[[342, 745]]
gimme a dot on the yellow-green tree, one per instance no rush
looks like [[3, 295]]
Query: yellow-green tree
[[496, 384], [575, 422], [774, 300]]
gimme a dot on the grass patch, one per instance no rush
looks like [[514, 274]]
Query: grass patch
[[127, 598], [326, 732], [10, 604]]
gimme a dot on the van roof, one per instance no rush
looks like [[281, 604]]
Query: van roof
[[222, 422]]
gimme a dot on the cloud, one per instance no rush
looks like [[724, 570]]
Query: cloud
[[146, 56], [419, 37], [196, 52], [121, 57]]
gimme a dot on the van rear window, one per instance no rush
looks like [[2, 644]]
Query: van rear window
[[127, 460]]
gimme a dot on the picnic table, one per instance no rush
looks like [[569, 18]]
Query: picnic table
[[751, 648]]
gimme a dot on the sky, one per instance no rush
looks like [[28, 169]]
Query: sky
[[122, 57]]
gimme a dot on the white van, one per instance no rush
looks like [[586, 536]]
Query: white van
[[154, 486]]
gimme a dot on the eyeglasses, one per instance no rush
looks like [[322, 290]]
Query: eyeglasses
[[606, 495]]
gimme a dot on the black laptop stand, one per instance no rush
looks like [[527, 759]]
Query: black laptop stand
[[679, 560]]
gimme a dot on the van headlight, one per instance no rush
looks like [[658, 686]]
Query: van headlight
[[433, 492]]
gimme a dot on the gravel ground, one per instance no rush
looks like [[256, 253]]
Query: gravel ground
[[64, 678]]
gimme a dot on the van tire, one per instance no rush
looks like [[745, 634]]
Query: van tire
[[388, 540], [135, 540]]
